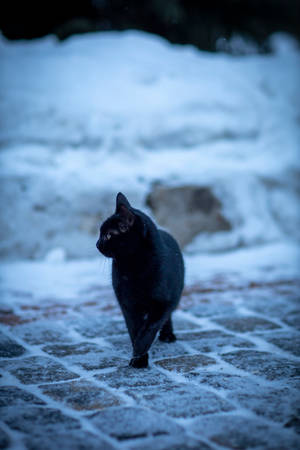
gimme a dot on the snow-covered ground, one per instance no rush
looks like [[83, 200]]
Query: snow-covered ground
[[117, 111], [99, 113]]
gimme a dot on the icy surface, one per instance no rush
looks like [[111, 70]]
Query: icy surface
[[231, 380]]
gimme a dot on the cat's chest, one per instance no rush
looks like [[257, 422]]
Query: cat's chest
[[132, 285]]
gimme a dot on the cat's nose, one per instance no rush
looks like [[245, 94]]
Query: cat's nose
[[98, 245]]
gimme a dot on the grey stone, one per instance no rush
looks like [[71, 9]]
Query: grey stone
[[262, 363], [279, 405], [187, 210], [208, 301], [122, 345], [38, 369], [185, 363], [100, 327], [81, 395], [4, 439], [292, 319], [165, 349], [87, 355], [293, 423], [281, 307], [182, 324], [62, 350], [181, 400], [244, 324], [71, 440], [241, 433], [127, 377], [219, 380], [288, 341], [213, 340], [133, 422], [171, 442], [14, 396], [94, 361], [42, 332], [34, 419], [9, 348]]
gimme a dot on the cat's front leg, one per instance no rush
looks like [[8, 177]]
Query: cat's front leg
[[145, 337], [139, 362]]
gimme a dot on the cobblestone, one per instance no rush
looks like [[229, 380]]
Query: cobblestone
[[4, 439], [133, 422], [34, 419], [10, 348], [181, 400], [244, 324], [213, 340], [70, 440], [14, 396], [184, 364], [125, 377], [238, 432], [81, 395], [264, 364], [286, 340], [38, 369], [229, 381]]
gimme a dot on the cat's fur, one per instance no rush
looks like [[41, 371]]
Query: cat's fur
[[147, 275]]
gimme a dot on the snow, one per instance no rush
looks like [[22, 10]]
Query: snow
[[71, 282], [118, 111]]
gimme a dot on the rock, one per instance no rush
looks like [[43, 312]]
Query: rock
[[187, 211]]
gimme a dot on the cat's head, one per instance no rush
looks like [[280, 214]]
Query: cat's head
[[123, 232]]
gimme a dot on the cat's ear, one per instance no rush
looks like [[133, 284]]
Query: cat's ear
[[121, 200], [123, 208]]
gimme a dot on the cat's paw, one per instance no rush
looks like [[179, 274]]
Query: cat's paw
[[139, 362], [170, 337]]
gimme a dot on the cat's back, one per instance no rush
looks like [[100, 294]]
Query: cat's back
[[172, 253]]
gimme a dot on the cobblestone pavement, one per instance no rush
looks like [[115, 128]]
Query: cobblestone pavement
[[230, 380]]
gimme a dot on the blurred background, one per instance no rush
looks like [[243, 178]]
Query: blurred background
[[192, 109]]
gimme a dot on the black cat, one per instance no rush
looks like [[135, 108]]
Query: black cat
[[147, 275]]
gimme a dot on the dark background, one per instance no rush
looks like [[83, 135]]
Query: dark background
[[199, 23]]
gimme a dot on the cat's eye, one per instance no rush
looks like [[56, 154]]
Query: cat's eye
[[123, 228], [107, 236]]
